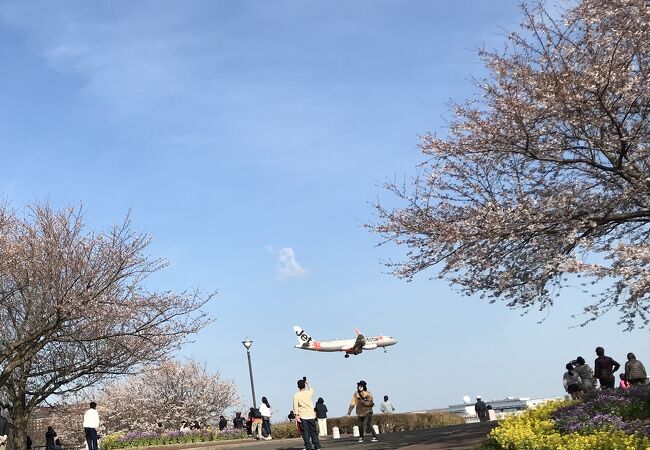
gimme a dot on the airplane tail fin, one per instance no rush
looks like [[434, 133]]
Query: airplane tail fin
[[303, 338]]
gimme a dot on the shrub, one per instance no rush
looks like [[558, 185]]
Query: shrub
[[490, 444], [388, 423], [284, 430]]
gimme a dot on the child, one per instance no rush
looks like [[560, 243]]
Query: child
[[624, 384]]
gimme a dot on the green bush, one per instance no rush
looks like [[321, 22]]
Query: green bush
[[389, 423], [284, 430], [490, 444]]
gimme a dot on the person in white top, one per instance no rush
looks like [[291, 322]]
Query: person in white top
[[265, 410], [387, 406], [492, 414], [91, 424]]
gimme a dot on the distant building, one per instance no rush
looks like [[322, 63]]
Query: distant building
[[41, 419], [503, 408]]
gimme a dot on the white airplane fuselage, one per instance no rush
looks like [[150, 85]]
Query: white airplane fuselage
[[349, 346]]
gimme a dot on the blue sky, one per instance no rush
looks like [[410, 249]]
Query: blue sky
[[249, 138]]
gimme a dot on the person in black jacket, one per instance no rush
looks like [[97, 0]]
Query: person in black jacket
[[50, 434], [223, 423], [481, 409], [604, 368], [321, 416], [238, 421], [255, 418], [4, 432]]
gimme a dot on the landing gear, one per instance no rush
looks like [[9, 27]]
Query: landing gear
[[347, 355]]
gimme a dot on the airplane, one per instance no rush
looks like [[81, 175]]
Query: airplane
[[349, 346]]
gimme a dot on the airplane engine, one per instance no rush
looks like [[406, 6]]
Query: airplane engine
[[370, 346]]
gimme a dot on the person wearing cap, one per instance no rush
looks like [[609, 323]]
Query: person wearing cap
[[303, 408], [481, 409], [362, 400]]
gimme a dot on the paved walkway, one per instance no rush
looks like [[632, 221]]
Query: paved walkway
[[455, 437]]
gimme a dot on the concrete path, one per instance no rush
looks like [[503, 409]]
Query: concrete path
[[455, 437]]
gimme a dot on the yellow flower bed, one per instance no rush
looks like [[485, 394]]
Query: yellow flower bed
[[533, 430]]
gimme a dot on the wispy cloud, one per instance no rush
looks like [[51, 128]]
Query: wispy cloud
[[289, 266]]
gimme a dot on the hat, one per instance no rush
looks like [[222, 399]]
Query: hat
[[361, 383], [478, 397]]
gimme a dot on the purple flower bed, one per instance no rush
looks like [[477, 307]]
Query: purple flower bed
[[149, 438], [609, 410]]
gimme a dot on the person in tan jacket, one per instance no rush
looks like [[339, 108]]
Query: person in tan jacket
[[303, 408], [362, 400]]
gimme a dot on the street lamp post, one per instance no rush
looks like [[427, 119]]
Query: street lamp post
[[248, 343]]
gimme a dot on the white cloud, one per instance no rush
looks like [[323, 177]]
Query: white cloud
[[289, 266]]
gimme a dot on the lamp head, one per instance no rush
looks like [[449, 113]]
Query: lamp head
[[247, 343]]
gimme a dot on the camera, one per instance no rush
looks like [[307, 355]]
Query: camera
[[304, 378]]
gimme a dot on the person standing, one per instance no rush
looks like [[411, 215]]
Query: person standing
[[572, 382], [50, 434], [321, 416], [223, 423], [91, 424], [362, 399], [481, 409], [586, 374], [303, 408], [265, 409], [238, 422], [634, 371], [4, 431], [604, 368], [255, 417], [387, 406]]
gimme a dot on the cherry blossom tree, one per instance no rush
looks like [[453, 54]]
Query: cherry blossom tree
[[75, 309], [169, 394], [166, 394], [544, 176]]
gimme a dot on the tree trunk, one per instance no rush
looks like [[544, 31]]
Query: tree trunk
[[20, 417]]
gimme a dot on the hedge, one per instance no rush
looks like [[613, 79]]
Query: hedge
[[387, 423]]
